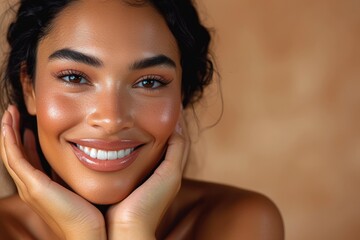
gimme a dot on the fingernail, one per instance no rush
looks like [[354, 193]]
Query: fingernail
[[3, 129], [3, 124]]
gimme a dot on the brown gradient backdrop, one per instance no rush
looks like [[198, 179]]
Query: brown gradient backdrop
[[291, 125], [290, 77]]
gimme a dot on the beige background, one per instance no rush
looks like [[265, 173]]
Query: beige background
[[291, 84], [290, 74]]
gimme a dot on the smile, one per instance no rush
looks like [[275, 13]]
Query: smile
[[103, 154]]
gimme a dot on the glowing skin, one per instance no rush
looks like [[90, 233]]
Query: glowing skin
[[106, 49]]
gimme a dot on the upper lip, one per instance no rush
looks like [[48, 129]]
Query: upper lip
[[107, 145]]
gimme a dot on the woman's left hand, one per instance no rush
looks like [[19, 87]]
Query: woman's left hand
[[138, 216]]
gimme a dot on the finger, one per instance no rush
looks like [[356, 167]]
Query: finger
[[182, 129], [17, 163], [11, 120], [6, 119], [174, 158], [165, 182], [6, 123], [15, 122], [171, 168], [31, 150], [8, 136], [13, 157], [7, 184]]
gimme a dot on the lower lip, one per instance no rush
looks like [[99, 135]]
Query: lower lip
[[105, 165]]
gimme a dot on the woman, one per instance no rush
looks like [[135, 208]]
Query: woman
[[102, 84]]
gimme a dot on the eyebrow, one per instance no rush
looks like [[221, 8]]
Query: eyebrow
[[76, 56], [152, 62]]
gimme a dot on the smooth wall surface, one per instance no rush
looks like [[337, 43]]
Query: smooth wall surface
[[291, 125], [291, 87]]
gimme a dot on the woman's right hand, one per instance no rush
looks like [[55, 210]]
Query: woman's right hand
[[67, 214]]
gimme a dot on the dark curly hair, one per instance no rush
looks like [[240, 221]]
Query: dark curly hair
[[34, 20]]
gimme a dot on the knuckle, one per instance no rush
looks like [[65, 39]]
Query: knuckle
[[37, 187], [34, 193]]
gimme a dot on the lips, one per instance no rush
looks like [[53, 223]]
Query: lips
[[106, 156]]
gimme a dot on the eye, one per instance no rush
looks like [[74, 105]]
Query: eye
[[151, 82], [72, 77]]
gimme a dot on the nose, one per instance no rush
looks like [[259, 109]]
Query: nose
[[111, 111]]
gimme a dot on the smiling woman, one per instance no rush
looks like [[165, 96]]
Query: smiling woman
[[96, 91]]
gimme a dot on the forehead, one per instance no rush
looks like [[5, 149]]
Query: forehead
[[108, 28]]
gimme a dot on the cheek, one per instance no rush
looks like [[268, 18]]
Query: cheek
[[55, 113], [159, 118], [52, 110]]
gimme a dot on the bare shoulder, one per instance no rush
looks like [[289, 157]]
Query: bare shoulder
[[225, 212]]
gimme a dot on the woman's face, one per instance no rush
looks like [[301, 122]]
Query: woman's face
[[107, 96]]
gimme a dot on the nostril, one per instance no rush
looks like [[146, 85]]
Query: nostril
[[109, 122]]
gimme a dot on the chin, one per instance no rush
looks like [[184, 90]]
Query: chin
[[99, 193], [104, 201], [104, 198]]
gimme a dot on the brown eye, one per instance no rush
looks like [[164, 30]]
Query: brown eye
[[73, 78], [149, 83]]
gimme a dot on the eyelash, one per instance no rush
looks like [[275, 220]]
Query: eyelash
[[72, 73], [154, 79]]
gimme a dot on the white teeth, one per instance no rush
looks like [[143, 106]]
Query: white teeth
[[85, 150], [127, 151], [93, 153], [112, 155], [121, 153], [103, 154]]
